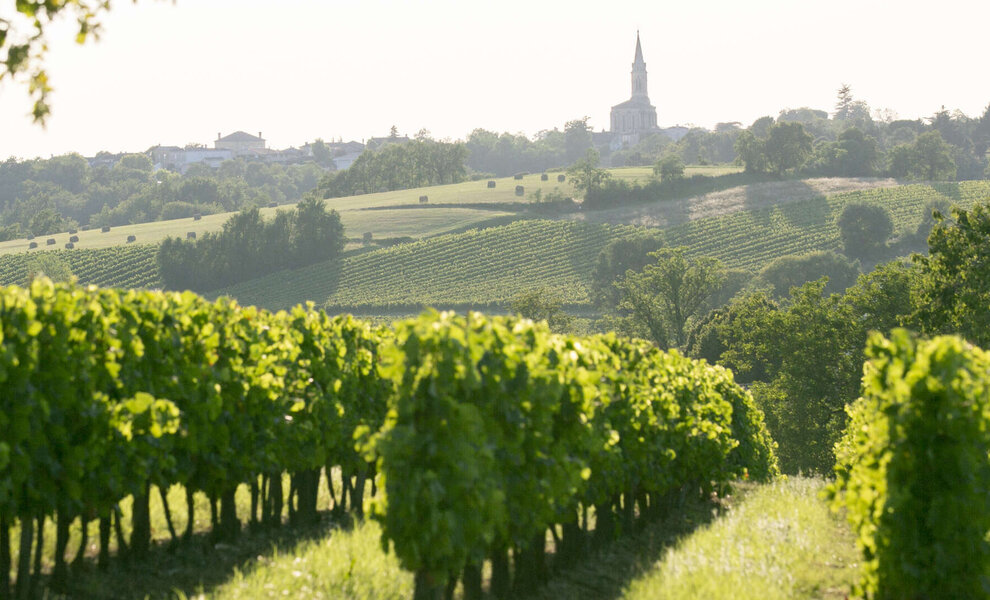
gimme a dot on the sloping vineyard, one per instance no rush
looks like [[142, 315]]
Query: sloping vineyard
[[115, 266], [480, 267], [751, 239]]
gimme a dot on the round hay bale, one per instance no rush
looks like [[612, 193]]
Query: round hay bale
[[544, 177], [561, 178], [272, 204], [424, 199], [71, 231], [520, 190], [30, 236], [131, 238], [518, 175], [33, 245], [74, 238], [69, 246], [85, 227], [190, 235], [105, 229], [50, 241], [491, 183], [197, 217], [367, 237]]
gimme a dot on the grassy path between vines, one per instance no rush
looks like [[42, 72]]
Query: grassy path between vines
[[764, 541]]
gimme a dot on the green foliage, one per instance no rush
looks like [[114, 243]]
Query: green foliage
[[954, 284], [854, 154], [540, 304], [789, 272], [669, 167], [666, 294], [616, 258], [248, 247], [397, 166], [585, 175], [912, 469], [118, 266], [865, 229]]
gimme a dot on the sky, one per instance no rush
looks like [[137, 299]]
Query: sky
[[181, 72]]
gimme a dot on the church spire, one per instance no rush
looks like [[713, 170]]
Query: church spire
[[638, 60], [639, 72]]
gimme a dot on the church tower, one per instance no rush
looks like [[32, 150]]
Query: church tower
[[635, 117], [639, 72]]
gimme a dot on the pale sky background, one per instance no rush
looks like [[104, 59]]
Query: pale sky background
[[296, 70]]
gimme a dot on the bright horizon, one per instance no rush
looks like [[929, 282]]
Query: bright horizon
[[295, 71]]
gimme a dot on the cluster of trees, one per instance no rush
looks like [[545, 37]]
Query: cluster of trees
[[250, 247], [397, 166], [507, 154], [41, 197]]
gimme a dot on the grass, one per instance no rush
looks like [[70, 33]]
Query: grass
[[778, 542], [644, 174]]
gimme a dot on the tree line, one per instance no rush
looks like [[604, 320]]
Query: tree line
[[45, 196], [248, 247]]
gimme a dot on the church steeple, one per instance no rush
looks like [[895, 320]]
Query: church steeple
[[639, 72]]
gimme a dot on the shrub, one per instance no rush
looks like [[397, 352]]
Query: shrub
[[865, 229], [520, 190], [491, 183], [912, 469], [367, 237]]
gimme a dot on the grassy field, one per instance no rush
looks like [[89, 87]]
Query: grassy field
[[643, 174], [778, 542]]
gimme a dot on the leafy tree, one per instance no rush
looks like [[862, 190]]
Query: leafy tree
[[585, 174], [793, 271], [669, 167], [900, 161], [854, 154], [616, 258], [577, 139], [666, 294], [932, 158], [321, 153], [953, 285], [787, 147], [865, 229], [541, 304], [751, 152]]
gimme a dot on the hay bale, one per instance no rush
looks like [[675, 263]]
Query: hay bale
[[190, 235], [69, 246], [74, 238], [50, 241], [30, 236], [72, 231], [424, 199], [105, 229], [131, 238], [273, 205], [33, 245], [544, 177], [561, 178], [367, 237], [197, 216], [85, 227], [519, 175], [491, 183], [520, 190]]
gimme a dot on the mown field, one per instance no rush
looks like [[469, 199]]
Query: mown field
[[482, 268]]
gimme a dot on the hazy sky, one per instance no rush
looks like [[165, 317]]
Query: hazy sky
[[176, 73]]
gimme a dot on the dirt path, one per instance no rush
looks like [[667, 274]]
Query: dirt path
[[665, 213]]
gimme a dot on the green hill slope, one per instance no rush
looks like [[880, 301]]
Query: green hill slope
[[480, 268], [116, 266], [487, 267]]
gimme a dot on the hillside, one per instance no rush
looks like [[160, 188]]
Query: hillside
[[479, 267], [131, 266], [488, 267]]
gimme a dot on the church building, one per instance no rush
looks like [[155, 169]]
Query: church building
[[635, 117]]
